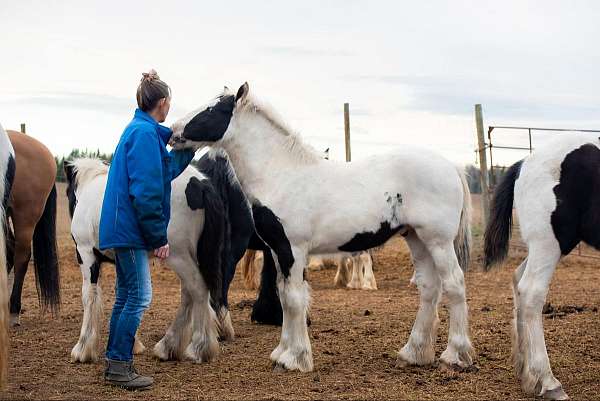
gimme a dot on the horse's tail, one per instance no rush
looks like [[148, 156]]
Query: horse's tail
[[249, 269], [45, 256], [498, 230], [462, 241], [4, 341], [212, 239]]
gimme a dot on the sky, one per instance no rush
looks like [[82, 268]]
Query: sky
[[411, 71]]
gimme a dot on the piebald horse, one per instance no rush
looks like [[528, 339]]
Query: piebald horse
[[32, 212], [556, 194], [412, 192], [7, 174], [210, 227]]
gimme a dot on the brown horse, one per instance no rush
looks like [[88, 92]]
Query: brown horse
[[7, 171], [32, 211]]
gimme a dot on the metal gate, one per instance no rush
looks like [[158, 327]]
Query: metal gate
[[494, 170]]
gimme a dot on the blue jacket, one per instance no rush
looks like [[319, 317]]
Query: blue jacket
[[137, 200]]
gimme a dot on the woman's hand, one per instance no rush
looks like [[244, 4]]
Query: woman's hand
[[162, 252]]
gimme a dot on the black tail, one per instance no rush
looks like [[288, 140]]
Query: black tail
[[45, 256], [202, 195], [498, 230]]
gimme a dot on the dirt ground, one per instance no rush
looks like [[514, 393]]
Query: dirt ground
[[355, 336]]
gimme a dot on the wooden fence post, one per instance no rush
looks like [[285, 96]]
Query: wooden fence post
[[347, 131], [481, 149], [23, 130]]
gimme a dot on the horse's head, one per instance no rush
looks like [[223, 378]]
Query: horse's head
[[208, 124]]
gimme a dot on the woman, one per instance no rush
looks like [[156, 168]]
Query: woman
[[134, 219]]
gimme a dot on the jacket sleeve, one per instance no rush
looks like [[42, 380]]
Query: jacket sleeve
[[180, 159], [144, 166]]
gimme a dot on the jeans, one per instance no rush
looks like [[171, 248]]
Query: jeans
[[133, 293]]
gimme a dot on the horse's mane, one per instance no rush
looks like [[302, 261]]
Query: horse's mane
[[293, 142], [86, 169]]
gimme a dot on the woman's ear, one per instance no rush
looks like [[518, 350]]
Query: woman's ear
[[242, 92]]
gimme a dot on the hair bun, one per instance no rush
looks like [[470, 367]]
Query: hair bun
[[150, 75]]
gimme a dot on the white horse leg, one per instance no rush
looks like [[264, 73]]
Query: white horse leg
[[536, 374], [294, 350], [419, 350], [356, 278], [517, 332], [459, 351], [369, 282], [138, 345], [176, 339], [225, 327], [205, 339], [316, 263], [341, 275], [86, 349]]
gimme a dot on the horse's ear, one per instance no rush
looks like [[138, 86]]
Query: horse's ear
[[242, 92]]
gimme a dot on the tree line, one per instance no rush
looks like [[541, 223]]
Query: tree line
[[77, 154]]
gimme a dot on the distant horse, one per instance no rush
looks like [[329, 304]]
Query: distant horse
[[556, 193], [32, 212], [354, 272], [413, 192], [210, 222], [7, 174]]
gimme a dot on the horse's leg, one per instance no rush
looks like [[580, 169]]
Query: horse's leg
[[459, 351], [267, 307], [204, 346], [517, 333], [419, 350], [294, 349], [86, 348], [176, 339], [23, 238], [536, 373], [356, 279], [341, 275], [369, 282]]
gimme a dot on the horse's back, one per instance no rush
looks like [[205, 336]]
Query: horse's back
[[35, 172]]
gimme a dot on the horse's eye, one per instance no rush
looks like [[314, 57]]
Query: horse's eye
[[209, 109]]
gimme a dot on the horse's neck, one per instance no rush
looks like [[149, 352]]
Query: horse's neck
[[259, 154]]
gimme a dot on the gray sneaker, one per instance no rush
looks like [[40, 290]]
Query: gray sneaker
[[123, 374]]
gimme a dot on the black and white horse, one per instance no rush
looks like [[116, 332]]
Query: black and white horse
[[411, 191], [556, 194], [7, 174], [211, 221]]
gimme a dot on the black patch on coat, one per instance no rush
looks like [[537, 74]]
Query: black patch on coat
[[95, 267], [239, 226], [71, 174], [202, 195], [270, 229], [370, 239], [8, 234], [210, 125], [577, 214], [8, 179]]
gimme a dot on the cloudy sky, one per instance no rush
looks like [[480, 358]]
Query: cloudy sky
[[410, 70]]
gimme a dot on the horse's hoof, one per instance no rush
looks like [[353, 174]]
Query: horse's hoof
[[401, 363], [15, 320], [458, 367], [278, 368], [555, 394], [138, 347]]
